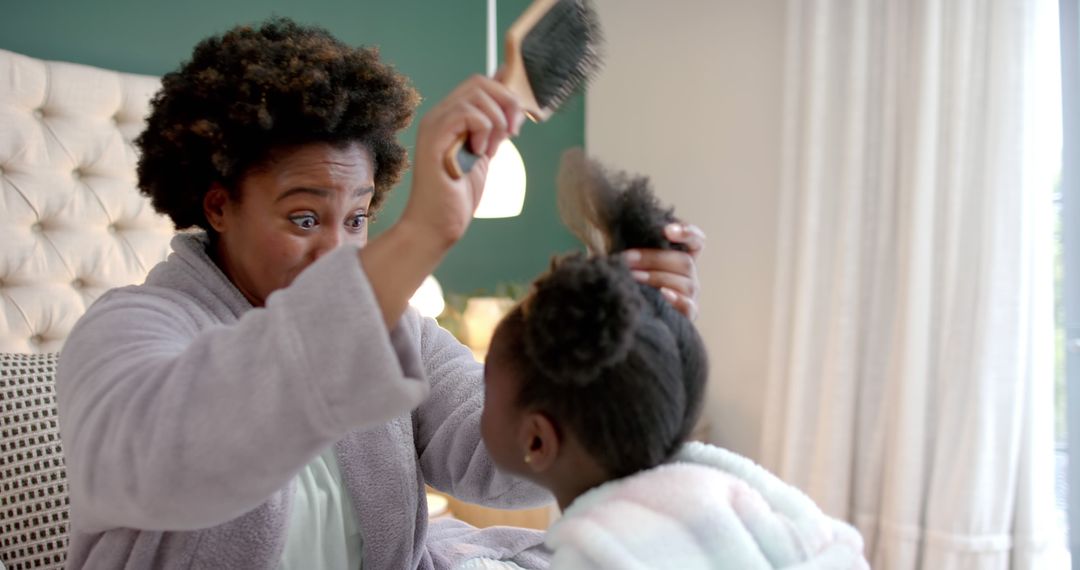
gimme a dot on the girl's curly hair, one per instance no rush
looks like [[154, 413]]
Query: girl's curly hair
[[251, 91], [606, 357]]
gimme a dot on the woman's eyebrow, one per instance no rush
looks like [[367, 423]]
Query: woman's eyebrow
[[323, 193]]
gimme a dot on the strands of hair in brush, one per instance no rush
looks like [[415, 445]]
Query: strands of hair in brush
[[610, 211]]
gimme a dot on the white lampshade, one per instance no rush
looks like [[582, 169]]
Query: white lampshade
[[428, 299], [504, 191]]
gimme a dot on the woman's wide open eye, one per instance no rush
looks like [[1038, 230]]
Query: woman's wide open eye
[[305, 221], [356, 221]]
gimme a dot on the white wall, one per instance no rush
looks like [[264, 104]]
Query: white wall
[[690, 95]]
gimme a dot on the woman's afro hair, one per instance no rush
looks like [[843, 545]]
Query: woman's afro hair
[[255, 90]]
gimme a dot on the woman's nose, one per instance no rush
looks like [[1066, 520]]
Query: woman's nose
[[329, 240]]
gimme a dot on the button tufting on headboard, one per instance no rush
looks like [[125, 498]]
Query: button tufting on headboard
[[72, 223]]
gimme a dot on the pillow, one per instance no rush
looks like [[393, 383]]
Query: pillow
[[33, 484]]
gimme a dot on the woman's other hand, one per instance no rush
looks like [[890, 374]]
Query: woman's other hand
[[486, 112], [673, 272]]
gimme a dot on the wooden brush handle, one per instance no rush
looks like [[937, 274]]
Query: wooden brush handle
[[459, 160]]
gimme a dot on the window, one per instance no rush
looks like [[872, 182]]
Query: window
[[1067, 274], [1061, 448]]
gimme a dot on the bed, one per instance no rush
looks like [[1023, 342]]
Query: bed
[[72, 225]]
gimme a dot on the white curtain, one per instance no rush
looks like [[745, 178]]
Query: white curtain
[[911, 369]]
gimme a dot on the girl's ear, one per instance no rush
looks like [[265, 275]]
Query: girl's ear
[[539, 442], [214, 203]]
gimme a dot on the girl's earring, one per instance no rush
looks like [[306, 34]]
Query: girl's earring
[[528, 458]]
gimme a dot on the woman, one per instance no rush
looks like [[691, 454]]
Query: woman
[[247, 407]]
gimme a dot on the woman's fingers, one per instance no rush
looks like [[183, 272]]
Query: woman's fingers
[[682, 303], [687, 234], [677, 283], [676, 263], [492, 113], [510, 105], [673, 272], [479, 128]]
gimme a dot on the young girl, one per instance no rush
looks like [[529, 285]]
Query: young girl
[[593, 384]]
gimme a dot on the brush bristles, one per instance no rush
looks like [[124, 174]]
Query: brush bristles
[[562, 52]]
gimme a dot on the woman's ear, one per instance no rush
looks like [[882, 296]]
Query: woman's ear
[[539, 441], [214, 203]]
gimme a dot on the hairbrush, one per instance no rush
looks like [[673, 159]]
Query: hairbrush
[[551, 51]]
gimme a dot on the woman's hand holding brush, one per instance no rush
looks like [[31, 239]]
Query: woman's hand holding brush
[[486, 112], [551, 52]]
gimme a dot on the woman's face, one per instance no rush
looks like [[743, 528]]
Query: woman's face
[[302, 203]]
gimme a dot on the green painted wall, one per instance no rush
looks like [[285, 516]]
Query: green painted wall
[[437, 43]]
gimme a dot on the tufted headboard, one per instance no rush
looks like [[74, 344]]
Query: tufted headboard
[[72, 223]]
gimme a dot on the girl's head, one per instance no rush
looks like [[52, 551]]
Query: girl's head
[[594, 376]]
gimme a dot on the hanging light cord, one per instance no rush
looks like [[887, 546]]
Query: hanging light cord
[[491, 25]]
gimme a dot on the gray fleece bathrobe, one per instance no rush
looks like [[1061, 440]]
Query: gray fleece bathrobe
[[185, 415]]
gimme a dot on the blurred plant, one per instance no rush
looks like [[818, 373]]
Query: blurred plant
[[452, 318]]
